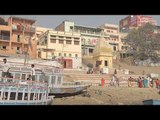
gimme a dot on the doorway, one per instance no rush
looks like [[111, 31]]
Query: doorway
[[106, 63]]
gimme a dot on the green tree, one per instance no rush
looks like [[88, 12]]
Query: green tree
[[144, 43]]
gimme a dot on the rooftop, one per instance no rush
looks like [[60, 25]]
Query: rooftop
[[20, 18], [88, 27]]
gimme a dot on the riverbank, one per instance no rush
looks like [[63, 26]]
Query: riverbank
[[97, 95]]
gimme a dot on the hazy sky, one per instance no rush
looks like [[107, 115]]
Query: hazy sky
[[51, 21]]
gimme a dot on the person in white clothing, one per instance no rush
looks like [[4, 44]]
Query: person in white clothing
[[113, 80], [5, 68], [33, 73]]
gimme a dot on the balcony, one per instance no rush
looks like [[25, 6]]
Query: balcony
[[18, 52], [5, 38], [30, 29]]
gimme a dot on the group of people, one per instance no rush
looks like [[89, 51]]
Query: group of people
[[6, 67], [144, 82], [114, 81]]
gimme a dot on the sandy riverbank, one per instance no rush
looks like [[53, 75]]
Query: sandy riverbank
[[110, 96]]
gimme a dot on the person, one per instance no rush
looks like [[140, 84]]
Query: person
[[117, 80], [33, 73], [145, 82], [115, 71], [113, 80], [157, 83], [129, 81], [5, 68], [149, 81], [102, 82], [140, 82]]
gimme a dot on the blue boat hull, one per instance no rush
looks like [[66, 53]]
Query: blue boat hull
[[151, 102]]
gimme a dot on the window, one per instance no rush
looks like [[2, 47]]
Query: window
[[76, 38], [122, 47], [18, 48], [19, 96], [41, 78], [65, 54], [4, 47], [61, 37], [71, 28], [68, 37], [45, 42], [106, 63], [12, 96], [18, 38], [76, 55], [59, 80], [31, 97], [60, 41], [53, 40], [26, 96], [5, 95], [23, 76], [114, 48], [68, 41], [76, 42], [5, 35], [17, 76], [36, 77], [40, 96], [47, 78], [53, 81], [60, 54], [52, 36], [90, 50], [70, 55]]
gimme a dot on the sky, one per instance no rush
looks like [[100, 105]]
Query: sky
[[51, 21]]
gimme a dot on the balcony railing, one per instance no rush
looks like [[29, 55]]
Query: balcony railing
[[3, 37], [25, 28]]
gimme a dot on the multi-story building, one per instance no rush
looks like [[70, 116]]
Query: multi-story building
[[113, 32], [128, 23], [41, 30], [58, 44], [135, 21], [123, 45], [89, 35], [17, 37]]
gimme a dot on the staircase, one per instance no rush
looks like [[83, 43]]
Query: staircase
[[86, 60], [90, 78]]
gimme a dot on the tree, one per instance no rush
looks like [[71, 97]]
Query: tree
[[144, 43]]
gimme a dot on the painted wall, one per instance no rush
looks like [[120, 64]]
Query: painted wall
[[103, 59]]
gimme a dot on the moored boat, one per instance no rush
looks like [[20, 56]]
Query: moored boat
[[19, 92]]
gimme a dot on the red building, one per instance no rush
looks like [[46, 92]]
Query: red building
[[135, 21]]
